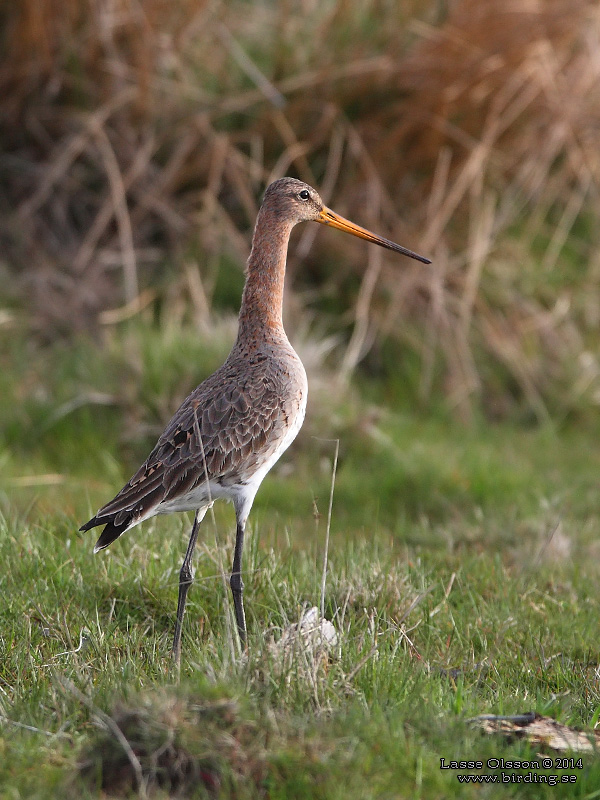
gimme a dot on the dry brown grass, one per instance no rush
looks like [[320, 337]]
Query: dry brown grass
[[136, 133], [500, 119]]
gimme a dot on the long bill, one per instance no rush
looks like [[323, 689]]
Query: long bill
[[329, 217]]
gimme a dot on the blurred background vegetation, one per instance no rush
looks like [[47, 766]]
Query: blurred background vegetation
[[136, 141]]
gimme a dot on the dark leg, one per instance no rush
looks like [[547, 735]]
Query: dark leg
[[186, 576], [237, 584]]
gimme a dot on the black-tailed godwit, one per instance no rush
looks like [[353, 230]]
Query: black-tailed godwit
[[230, 430]]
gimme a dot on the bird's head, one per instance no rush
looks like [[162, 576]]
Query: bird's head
[[295, 201]]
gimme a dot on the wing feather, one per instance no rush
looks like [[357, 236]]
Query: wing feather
[[241, 411]]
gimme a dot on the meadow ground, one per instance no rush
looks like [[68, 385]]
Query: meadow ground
[[462, 580]]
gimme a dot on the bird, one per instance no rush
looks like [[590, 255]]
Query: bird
[[229, 432]]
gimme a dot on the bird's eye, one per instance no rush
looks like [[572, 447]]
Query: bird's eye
[[304, 195]]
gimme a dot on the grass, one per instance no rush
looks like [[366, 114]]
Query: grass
[[462, 577], [379, 733]]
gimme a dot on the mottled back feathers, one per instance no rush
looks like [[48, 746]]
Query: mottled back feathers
[[230, 424]]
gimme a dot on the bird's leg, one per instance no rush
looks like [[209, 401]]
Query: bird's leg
[[186, 576], [237, 584]]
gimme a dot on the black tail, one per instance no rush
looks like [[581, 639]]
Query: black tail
[[111, 532], [129, 507]]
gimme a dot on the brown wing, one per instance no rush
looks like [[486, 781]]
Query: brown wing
[[224, 429]]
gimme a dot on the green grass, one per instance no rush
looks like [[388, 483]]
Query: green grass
[[463, 573], [380, 732]]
